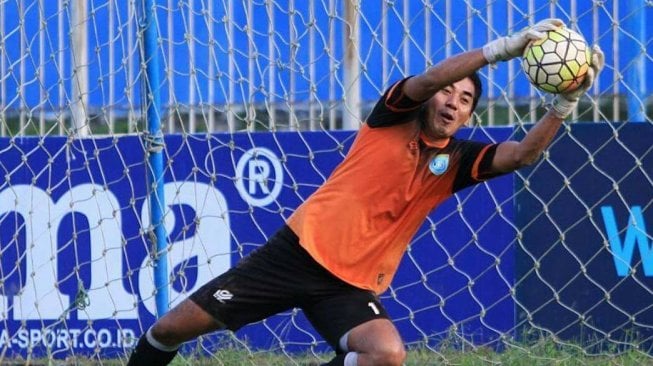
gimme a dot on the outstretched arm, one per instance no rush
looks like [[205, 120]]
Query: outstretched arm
[[512, 155], [452, 69]]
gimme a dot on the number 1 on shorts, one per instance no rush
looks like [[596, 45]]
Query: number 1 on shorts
[[374, 308]]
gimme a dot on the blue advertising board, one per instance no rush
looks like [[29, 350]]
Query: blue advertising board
[[585, 263], [75, 265]]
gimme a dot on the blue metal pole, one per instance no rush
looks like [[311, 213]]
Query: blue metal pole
[[154, 145], [634, 40]]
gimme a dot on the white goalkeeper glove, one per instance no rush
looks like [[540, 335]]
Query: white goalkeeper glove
[[564, 103], [506, 48]]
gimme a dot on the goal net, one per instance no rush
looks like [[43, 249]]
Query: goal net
[[258, 101]]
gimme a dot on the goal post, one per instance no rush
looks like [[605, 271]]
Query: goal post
[[146, 146], [154, 144]]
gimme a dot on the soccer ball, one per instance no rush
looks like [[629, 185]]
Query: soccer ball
[[558, 62]]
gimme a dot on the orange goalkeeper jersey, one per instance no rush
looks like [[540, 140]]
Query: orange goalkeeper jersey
[[359, 223]]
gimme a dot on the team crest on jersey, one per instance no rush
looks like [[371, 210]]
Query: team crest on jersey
[[439, 164]]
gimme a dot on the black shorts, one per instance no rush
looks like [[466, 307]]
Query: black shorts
[[280, 276]]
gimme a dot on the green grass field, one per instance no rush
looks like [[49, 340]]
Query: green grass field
[[540, 353]]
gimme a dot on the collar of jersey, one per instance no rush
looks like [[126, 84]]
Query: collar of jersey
[[439, 144]]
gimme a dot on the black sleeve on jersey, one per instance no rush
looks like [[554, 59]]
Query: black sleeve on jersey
[[469, 153], [394, 107]]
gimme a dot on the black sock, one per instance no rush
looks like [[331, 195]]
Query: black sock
[[146, 354], [339, 360]]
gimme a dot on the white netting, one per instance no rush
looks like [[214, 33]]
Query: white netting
[[259, 100]]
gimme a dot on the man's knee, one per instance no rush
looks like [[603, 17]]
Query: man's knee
[[166, 333], [377, 342], [183, 323], [390, 354]]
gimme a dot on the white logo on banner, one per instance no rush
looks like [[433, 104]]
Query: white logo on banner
[[43, 217], [260, 177]]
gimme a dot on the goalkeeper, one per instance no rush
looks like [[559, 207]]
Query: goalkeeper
[[342, 246]]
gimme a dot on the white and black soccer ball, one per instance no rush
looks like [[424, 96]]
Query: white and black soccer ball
[[558, 62]]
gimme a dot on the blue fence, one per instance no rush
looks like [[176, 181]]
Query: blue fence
[[220, 30]]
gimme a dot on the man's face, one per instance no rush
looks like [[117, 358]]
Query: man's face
[[449, 109]]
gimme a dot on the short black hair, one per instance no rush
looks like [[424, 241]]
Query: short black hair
[[478, 90], [478, 86]]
